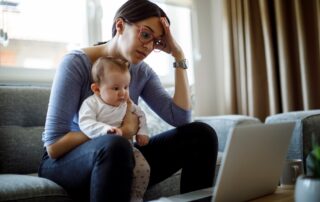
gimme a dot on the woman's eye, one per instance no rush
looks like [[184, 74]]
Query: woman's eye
[[145, 35]]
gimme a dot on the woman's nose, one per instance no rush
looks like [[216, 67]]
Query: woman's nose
[[149, 45]]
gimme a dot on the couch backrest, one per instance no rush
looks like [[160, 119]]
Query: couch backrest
[[22, 117], [23, 105]]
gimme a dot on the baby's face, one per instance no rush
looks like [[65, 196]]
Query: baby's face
[[115, 88]]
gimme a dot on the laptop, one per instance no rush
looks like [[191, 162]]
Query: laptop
[[251, 165]]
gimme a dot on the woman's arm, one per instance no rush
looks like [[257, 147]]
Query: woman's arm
[[69, 89], [182, 93], [66, 143]]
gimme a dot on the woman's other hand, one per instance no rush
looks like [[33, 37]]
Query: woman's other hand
[[130, 124]]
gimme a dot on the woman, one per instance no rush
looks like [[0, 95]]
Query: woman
[[101, 169]]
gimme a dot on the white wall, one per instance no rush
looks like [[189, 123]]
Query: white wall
[[208, 64]]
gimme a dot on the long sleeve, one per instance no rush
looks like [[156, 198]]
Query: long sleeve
[[70, 87], [88, 122], [143, 129], [146, 83]]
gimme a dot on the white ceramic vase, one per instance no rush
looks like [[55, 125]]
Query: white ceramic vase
[[307, 189]]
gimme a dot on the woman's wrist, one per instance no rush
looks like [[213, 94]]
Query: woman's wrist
[[181, 64], [179, 56], [179, 59], [177, 53]]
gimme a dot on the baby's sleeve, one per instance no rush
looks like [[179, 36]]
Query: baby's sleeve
[[143, 128]]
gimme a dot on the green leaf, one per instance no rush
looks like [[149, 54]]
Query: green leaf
[[316, 153]]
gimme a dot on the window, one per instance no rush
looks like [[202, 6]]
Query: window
[[40, 32]]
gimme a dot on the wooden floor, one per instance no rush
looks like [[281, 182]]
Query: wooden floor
[[280, 195]]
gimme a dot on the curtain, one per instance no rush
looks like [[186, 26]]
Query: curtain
[[272, 56]]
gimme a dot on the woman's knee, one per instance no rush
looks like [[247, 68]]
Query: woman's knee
[[114, 147], [205, 131]]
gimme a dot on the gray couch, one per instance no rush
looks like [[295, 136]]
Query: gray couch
[[22, 117], [23, 110]]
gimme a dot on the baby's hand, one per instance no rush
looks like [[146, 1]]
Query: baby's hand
[[115, 130], [142, 140]]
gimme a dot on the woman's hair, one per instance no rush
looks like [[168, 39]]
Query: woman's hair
[[137, 10], [104, 65]]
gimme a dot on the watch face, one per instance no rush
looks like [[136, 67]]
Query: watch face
[[181, 64]]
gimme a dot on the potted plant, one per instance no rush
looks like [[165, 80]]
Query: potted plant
[[308, 186]]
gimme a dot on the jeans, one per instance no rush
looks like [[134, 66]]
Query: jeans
[[102, 169]]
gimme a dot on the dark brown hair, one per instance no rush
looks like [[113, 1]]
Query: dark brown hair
[[137, 10], [107, 64]]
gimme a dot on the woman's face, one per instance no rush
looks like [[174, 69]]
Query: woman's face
[[136, 43]]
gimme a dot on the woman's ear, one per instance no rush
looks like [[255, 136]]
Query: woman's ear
[[95, 88], [120, 25]]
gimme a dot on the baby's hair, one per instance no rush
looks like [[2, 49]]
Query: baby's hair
[[107, 64]]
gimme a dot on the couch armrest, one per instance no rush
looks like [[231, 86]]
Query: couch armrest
[[307, 123], [223, 124]]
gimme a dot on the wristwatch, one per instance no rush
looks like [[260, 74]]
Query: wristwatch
[[181, 64]]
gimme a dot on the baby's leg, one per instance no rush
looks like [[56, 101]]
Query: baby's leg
[[141, 174]]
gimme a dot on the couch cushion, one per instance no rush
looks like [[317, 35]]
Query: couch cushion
[[154, 123], [168, 187], [30, 188], [21, 149]]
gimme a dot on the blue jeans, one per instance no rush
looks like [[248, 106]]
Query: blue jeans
[[101, 169]]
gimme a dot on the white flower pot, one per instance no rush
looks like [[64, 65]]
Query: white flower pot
[[307, 189]]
